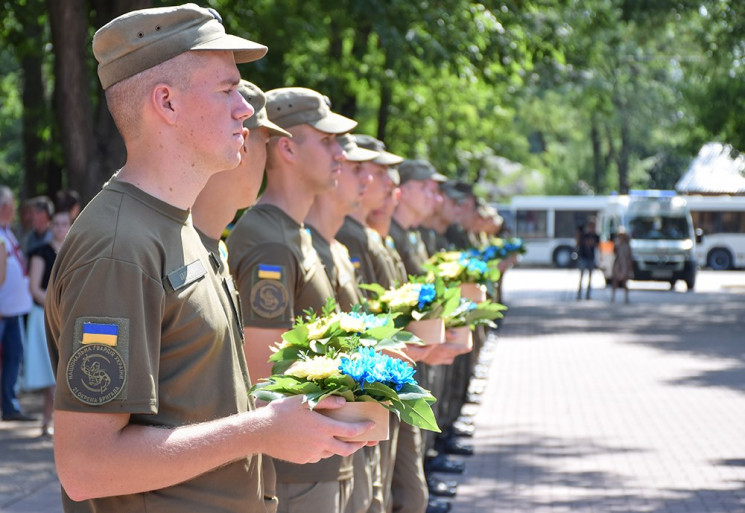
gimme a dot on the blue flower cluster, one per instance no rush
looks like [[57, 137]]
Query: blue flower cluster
[[514, 245], [372, 367], [473, 265], [370, 320], [426, 295]]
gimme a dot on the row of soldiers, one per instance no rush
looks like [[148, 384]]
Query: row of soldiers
[[155, 323]]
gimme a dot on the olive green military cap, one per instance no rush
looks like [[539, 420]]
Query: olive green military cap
[[450, 190], [464, 187], [256, 97], [418, 170], [371, 143], [352, 151], [291, 106], [140, 40]]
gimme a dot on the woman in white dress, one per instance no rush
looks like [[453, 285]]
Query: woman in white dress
[[37, 369]]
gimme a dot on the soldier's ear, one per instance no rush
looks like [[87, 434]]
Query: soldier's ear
[[162, 101], [286, 148]]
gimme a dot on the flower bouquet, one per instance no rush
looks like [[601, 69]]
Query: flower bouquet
[[462, 267], [419, 306], [500, 249], [468, 271], [362, 375], [470, 314], [333, 332]]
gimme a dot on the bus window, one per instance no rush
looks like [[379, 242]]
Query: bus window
[[532, 224]]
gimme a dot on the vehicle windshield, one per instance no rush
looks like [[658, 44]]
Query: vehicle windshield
[[659, 228]]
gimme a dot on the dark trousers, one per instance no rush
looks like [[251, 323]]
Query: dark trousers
[[11, 341]]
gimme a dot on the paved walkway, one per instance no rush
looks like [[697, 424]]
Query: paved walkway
[[640, 408], [587, 408]]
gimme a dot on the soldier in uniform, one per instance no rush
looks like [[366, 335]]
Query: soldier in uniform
[[215, 207], [279, 274], [327, 214], [419, 199], [449, 213], [137, 319], [324, 220]]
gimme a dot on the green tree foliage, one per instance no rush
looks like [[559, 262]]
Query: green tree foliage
[[563, 97]]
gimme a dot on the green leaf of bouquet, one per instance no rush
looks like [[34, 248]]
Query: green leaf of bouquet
[[382, 332], [373, 287], [380, 391], [297, 336], [411, 391], [419, 413], [267, 395]]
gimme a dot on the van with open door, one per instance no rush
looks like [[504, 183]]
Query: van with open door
[[663, 240]]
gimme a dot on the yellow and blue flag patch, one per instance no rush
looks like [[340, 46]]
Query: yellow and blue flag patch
[[96, 333], [355, 262], [270, 272]]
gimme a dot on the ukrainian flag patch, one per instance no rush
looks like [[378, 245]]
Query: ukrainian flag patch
[[355, 262], [99, 333], [270, 272]]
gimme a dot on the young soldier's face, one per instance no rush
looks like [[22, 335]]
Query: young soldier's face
[[321, 156], [352, 183], [212, 113], [380, 185]]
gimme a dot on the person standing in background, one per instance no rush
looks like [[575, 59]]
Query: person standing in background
[[587, 243], [623, 265], [15, 302], [37, 368]]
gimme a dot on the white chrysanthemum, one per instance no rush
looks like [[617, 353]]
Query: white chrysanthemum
[[407, 295], [318, 328], [351, 323], [450, 269], [318, 367], [450, 256]]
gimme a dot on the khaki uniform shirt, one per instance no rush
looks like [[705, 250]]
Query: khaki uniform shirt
[[339, 269], [138, 321], [400, 275], [457, 237], [279, 276], [410, 247], [367, 253]]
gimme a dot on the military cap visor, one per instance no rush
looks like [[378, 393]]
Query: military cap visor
[[384, 158], [292, 106], [257, 99], [140, 40], [353, 152]]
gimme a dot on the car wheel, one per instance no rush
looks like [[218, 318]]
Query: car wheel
[[719, 259], [563, 257]]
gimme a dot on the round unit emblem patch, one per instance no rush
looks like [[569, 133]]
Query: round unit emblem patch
[[269, 298], [96, 374]]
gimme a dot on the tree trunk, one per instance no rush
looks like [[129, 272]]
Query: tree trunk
[[386, 96], [35, 156], [597, 155], [91, 143], [68, 21], [624, 156]]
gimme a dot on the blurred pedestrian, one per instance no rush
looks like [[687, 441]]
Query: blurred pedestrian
[[623, 265], [587, 243], [69, 201], [15, 302], [37, 368], [41, 217]]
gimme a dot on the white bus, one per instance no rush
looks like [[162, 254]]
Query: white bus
[[548, 225], [720, 223], [662, 236]]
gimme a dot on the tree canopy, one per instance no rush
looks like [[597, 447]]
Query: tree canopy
[[579, 96]]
